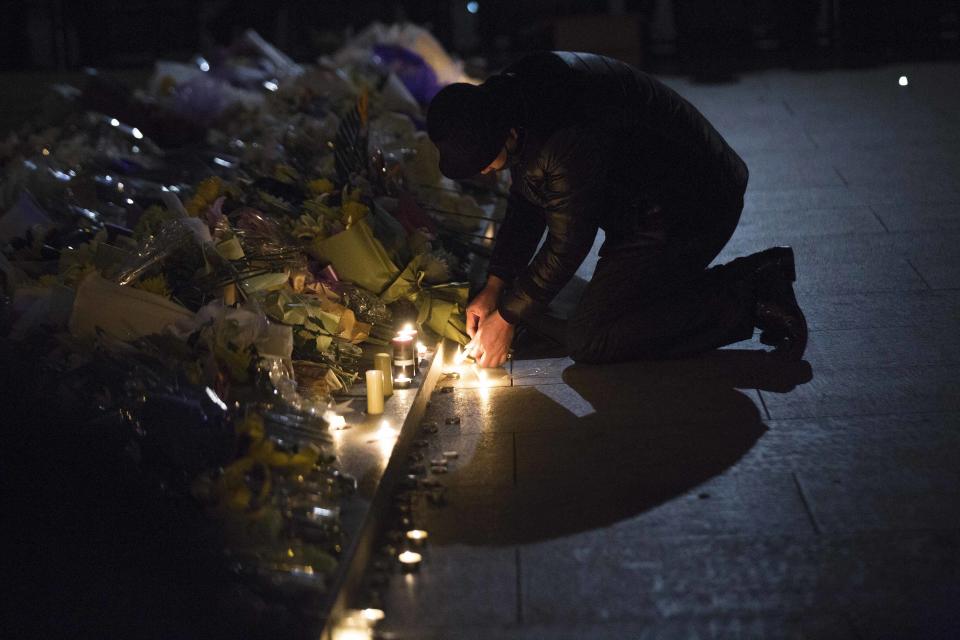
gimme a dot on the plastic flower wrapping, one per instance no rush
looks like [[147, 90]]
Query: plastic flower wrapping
[[205, 264]]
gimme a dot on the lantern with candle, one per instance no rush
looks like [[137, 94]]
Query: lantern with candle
[[410, 330], [404, 358]]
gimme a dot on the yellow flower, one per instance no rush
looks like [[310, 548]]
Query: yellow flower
[[207, 191], [286, 174], [156, 285], [320, 185], [209, 188], [252, 426], [353, 211]]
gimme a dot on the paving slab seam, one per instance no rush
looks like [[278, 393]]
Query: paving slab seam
[[806, 505], [763, 403], [919, 275], [952, 412], [841, 416], [879, 219]]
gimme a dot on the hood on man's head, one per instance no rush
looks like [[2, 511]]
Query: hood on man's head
[[469, 125]]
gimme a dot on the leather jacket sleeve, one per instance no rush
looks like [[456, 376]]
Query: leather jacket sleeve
[[568, 174], [517, 237]]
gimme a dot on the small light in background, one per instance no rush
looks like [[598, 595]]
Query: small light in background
[[270, 85], [473, 7], [203, 64], [903, 81], [216, 399], [136, 133], [114, 122]]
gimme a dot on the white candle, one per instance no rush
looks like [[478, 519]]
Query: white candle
[[372, 615], [382, 362], [417, 535], [374, 392], [410, 560]]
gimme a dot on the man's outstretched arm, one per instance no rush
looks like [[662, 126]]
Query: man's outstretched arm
[[516, 241], [570, 167]]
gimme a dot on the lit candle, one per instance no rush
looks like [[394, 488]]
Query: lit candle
[[417, 535], [335, 421], [372, 615], [411, 331], [404, 361], [351, 629], [403, 382], [374, 392], [382, 362], [410, 560]]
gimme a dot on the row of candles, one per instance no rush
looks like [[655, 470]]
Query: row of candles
[[388, 373], [396, 372], [358, 624]]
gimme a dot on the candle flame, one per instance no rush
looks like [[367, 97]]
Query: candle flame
[[385, 438], [335, 420], [372, 615], [386, 431], [409, 557]]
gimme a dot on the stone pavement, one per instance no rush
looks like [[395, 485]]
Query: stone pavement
[[729, 496]]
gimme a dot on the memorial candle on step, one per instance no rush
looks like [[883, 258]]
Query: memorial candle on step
[[404, 358], [382, 362], [374, 392], [409, 330]]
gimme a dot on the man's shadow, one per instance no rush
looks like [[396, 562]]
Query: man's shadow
[[657, 431]]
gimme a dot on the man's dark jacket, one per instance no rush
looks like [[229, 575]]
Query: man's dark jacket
[[602, 145]]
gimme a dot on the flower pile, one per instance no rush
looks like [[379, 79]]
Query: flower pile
[[207, 263]]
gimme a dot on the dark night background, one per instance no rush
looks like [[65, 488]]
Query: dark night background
[[62, 35]]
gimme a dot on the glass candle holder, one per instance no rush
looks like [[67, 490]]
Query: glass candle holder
[[410, 330], [404, 356]]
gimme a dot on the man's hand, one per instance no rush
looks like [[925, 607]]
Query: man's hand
[[483, 305], [492, 340]]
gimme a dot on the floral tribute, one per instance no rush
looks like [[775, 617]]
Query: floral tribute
[[201, 266]]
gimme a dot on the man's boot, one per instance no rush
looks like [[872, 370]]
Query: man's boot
[[779, 317], [770, 274]]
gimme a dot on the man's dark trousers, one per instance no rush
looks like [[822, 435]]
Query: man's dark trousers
[[654, 297]]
